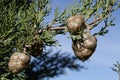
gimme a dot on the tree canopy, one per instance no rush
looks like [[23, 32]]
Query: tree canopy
[[23, 26]]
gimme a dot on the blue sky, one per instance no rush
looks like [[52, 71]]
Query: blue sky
[[106, 54]]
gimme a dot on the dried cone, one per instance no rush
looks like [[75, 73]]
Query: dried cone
[[18, 62], [75, 24], [36, 49], [82, 53], [90, 41], [84, 48]]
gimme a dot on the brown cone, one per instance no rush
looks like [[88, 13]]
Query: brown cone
[[75, 24], [84, 47], [18, 62]]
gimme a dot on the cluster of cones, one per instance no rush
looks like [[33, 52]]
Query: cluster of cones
[[84, 46]]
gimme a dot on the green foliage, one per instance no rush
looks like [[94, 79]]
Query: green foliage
[[22, 22], [95, 12], [19, 25], [116, 68]]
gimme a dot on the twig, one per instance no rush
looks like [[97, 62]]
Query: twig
[[53, 28], [58, 28], [62, 27], [90, 26], [94, 21]]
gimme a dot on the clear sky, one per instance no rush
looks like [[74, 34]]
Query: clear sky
[[106, 54]]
